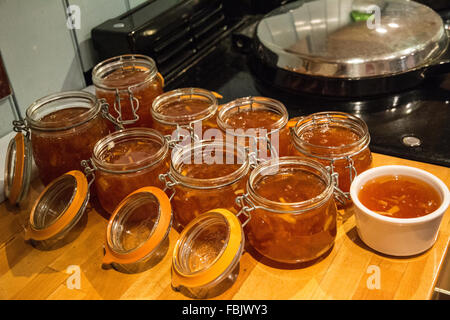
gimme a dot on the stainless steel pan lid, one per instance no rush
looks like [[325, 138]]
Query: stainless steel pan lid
[[351, 38]]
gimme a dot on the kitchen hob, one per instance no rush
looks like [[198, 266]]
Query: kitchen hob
[[412, 124]]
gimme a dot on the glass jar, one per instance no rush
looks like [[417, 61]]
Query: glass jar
[[129, 83], [185, 112], [290, 210], [58, 215], [64, 128], [257, 119], [206, 257], [205, 175], [125, 161], [339, 141], [137, 236]]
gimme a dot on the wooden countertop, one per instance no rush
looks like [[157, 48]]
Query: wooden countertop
[[27, 273]]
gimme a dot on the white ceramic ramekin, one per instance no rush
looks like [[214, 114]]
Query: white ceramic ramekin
[[396, 236]]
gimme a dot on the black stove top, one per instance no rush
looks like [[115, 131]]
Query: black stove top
[[420, 115]]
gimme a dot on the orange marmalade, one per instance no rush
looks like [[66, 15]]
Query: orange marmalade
[[399, 196], [337, 139], [61, 139], [295, 214], [126, 161], [132, 80]]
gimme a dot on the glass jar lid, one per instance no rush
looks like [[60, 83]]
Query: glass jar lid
[[138, 225], [352, 38], [184, 106], [18, 168], [59, 207], [210, 246]]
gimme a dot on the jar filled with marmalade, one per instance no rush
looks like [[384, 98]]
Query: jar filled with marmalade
[[186, 111], [339, 141], [290, 210], [64, 128], [129, 83], [257, 122], [205, 175], [125, 161]]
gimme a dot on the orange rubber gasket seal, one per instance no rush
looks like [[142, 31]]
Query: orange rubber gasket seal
[[19, 167], [223, 262], [165, 219], [81, 192]]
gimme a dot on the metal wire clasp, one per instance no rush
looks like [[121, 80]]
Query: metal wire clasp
[[175, 143], [108, 116], [169, 183], [247, 207], [253, 155], [89, 169], [341, 196], [21, 126], [134, 104]]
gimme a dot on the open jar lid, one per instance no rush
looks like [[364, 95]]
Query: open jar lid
[[59, 207], [138, 225], [352, 38], [18, 168], [208, 248]]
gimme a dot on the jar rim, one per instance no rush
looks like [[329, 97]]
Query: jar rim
[[268, 103], [293, 207], [177, 94], [77, 120], [130, 133], [179, 155], [104, 68], [332, 117]]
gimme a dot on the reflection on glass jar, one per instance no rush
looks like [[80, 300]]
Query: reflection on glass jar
[[127, 160], [129, 83], [290, 209], [263, 119], [204, 176], [64, 129], [335, 139], [182, 108]]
